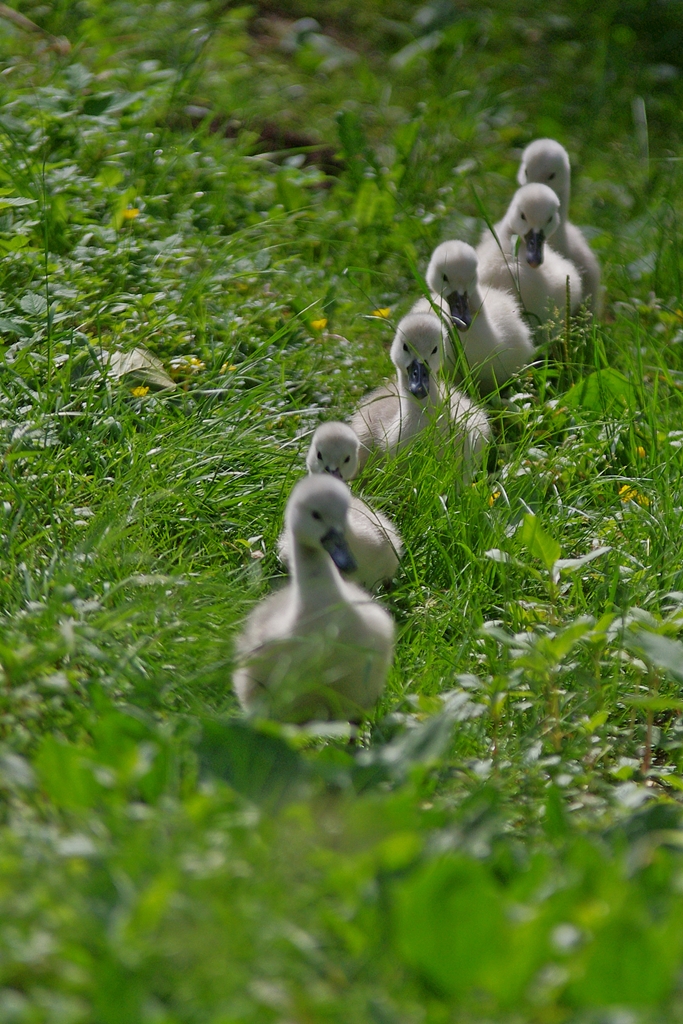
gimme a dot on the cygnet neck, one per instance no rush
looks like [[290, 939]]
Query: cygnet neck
[[505, 233], [315, 578], [474, 297], [563, 195], [558, 240]]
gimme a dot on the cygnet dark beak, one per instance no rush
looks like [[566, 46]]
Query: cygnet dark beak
[[335, 544], [534, 248], [334, 472], [460, 310], [418, 379]]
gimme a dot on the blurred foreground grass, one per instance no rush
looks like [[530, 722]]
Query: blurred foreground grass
[[252, 199]]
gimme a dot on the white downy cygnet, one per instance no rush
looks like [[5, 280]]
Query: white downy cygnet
[[375, 544], [547, 162], [537, 274], [321, 647], [390, 417], [496, 341]]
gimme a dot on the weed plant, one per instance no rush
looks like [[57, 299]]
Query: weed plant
[[252, 200]]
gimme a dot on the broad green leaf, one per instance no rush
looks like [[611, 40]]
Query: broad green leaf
[[97, 104], [15, 243], [605, 392], [33, 303], [405, 137], [632, 960], [6, 201], [562, 644], [654, 703], [133, 747], [64, 773], [539, 543], [555, 820], [449, 924], [660, 651], [373, 205], [110, 176], [291, 195], [423, 744], [258, 765], [351, 134], [595, 721]]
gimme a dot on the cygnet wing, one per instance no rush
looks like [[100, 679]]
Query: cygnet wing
[[586, 262], [374, 624], [507, 346], [470, 430], [545, 288], [375, 544], [269, 620], [496, 267], [373, 420]]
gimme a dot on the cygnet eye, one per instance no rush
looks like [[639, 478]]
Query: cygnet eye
[[523, 217], [316, 515], [551, 176], [405, 348], [550, 218], [435, 350], [347, 459], [445, 277], [320, 456]]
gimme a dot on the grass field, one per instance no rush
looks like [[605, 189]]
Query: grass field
[[254, 203]]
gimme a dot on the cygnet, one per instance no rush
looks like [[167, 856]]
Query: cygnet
[[321, 647], [537, 274], [547, 162], [373, 540], [496, 341], [393, 415]]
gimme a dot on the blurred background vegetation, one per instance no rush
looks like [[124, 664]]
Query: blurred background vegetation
[[203, 209]]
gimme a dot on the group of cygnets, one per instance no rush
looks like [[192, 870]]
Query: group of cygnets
[[321, 647]]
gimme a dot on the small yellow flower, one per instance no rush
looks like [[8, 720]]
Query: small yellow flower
[[131, 213], [640, 451], [628, 493], [319, 325], [384, 312], [493, 497], [139, 392], [225, 368], [185, 366]]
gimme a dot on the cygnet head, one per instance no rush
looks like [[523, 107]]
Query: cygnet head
[[416, 350], [316, 516], [546, 162], [452, 273], [534, 215], [334, 450]]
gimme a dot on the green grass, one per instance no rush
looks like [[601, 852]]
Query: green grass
[[502, 840]]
